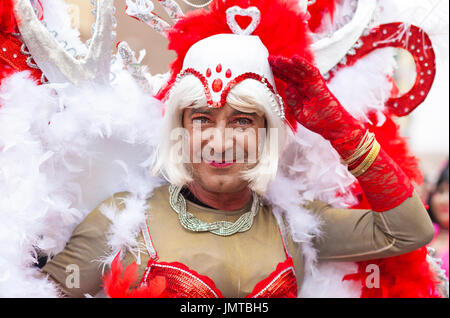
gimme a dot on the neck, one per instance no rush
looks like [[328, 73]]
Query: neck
[[219, 200]]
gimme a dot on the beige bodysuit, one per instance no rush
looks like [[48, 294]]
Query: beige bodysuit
[[237, 263]]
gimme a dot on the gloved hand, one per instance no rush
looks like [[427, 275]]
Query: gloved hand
[[316, 108]]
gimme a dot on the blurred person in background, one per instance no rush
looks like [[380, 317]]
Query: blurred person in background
[[438, 208], [424, 189]]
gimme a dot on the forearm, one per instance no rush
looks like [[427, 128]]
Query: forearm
[[356, 235], [63, 292], [396, 224], [78, 270]]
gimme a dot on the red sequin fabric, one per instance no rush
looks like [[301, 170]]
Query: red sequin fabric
[[183, 282]]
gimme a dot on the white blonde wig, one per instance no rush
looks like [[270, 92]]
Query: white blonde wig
[[249, 96]]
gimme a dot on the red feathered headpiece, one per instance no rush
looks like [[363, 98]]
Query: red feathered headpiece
[[7, 21], [283, 30], [320, 9]]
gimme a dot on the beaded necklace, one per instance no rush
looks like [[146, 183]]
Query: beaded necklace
[[221, 228]]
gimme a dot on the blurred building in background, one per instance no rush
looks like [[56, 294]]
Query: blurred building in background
[[427, 127], [137, 34]]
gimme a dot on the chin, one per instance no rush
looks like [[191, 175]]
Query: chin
[[223, 185], [219, 181]]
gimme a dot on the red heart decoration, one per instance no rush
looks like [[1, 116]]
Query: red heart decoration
[[243, 21], [237, 17]]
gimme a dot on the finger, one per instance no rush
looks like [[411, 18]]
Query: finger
[[292, 96], [304, 67], [285, 69], [280, 66]]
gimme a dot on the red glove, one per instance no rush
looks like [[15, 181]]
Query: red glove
[[316, 108]]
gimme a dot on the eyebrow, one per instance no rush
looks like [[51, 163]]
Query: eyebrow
[[206, 111], [237, 112], [209, 111]]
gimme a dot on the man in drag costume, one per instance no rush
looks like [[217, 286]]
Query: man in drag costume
[[244, 176]]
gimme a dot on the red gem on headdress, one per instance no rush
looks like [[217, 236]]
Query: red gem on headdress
[[217, 85], [208, 72], [228, 73], [219, 68]]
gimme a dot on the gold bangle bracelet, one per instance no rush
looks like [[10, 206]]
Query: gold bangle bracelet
[[368, 161], [364, 146]]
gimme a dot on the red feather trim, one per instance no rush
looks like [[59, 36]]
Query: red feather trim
[[7, 20], [408, 275], [396, 146], [404, 276], [5, 71], [319, 10], [389, 137], [8, 25], [283, 30], [118, 283]]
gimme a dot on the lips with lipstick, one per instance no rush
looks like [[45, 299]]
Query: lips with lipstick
[[220, 164], [223, 160]]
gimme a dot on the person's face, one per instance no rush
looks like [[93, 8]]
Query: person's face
[[223, 143], [439, 204]]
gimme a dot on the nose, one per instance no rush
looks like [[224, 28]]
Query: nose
[[221, 141]]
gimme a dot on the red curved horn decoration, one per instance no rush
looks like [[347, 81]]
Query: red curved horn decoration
[[407, 37]]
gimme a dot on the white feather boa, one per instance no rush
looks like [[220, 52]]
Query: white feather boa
[[62, 151]]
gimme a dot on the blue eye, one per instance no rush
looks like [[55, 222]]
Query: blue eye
[[201, 120], [244, 121]]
